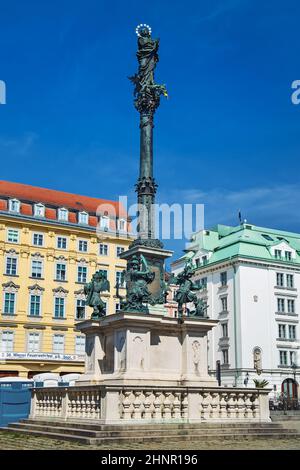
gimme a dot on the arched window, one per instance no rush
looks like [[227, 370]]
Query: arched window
[[289, 389]]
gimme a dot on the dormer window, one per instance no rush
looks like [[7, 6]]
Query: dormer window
[[122, 225], [14, 205], [39, 210], [63, 214], [104, 222], [83, 218]]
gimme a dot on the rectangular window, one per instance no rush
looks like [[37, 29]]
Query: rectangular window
[[292, 357], [13, 235], [82, 245], [282, 331], [291, 306], [7, 341], [292, 332], [83, 218], [280, 305], [288, 255], [120, 249], [14, 205], [204, 261], [63, 214], [225, 356], [223, 278], [283, 358], [290, 280], [82, 274], [104, 223], [120, 279], [278, 254], [118, 307], [39, 210], [224, 304], [279, 280], [38, 239], [36, 269], [225, 330], [59, 309], [58, 344], [79, 345], [33, 342], [122, 225], [80, 309], [11, 266], [61, 243], [103, 249], [35, 305], [204, 282], [9, 303], [60, 272], [104, 272]]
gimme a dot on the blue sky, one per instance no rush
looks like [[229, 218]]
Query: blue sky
[[227, 137]]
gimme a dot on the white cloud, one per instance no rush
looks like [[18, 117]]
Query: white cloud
[[18, 146], [273, 206]]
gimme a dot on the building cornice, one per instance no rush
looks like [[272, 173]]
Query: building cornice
[[66, 225], [241, 260]]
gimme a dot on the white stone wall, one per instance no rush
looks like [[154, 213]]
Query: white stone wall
[[252, 320]]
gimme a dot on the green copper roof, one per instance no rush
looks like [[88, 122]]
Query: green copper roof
[[244, 240]]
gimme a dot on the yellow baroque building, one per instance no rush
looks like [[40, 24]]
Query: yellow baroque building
[[51, 243]]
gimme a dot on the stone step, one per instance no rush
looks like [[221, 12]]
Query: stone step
[[91, 425], [123, 431], [285, 418], [148, 438]]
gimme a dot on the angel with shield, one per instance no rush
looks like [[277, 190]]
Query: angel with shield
[[92, 290]]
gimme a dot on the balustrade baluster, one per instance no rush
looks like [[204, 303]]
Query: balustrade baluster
[[167, 405], [241, 405], [157, 405], [176, 412], [223, 405], [148, 405]]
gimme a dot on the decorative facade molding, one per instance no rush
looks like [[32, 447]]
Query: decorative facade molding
[[10, 287], [36, 289], [60, 292], [36, 256]]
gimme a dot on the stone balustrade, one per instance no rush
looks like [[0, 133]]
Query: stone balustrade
[[66, 402], [117, 404], [203, 404]]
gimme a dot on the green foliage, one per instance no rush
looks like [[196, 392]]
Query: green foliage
[[260, 383]]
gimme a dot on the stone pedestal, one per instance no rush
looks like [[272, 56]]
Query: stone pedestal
[[135, 349]]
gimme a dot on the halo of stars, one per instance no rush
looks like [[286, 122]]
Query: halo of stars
[[142, 26]]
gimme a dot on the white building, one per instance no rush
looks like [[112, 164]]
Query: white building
[[251, 282]]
